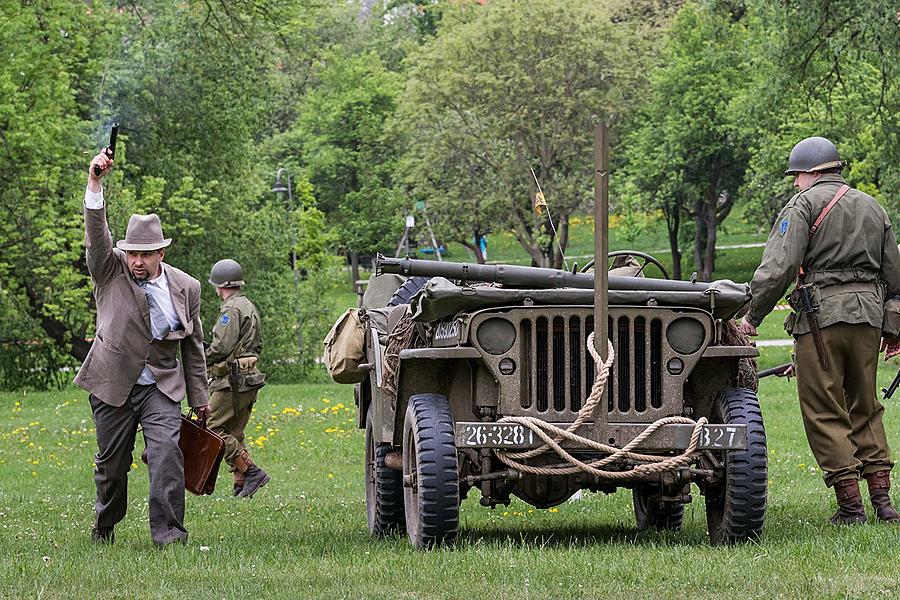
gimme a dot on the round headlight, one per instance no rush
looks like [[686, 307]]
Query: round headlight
[[496, 335], [685, 335]]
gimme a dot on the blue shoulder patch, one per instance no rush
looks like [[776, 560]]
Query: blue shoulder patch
[[784, 227], [224, 319]]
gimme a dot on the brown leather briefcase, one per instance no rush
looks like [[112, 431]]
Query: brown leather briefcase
[[203, 451]]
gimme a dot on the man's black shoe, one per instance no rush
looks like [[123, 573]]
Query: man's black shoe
[[254, 479], [103, 535]]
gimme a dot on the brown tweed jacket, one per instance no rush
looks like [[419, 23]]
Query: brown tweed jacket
[[123, 340]]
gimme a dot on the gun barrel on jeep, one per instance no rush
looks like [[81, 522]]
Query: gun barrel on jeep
[[530, 277]]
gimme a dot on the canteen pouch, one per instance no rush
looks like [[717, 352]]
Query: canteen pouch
[[345, 348], [890, 326]]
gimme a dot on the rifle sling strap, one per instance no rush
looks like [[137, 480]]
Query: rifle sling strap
[[815, 226], [840, 194]]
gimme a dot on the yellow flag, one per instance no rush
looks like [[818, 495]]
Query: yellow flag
[[539, 203]]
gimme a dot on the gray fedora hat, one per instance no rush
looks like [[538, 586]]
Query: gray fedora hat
[[144, 233]]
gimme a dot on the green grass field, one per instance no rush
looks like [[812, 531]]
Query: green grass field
[[304, 535]]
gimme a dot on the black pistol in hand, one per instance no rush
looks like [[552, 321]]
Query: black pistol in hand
[[110, 149], [889, 390]]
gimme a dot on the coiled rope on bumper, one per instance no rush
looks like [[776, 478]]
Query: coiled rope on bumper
[[552, 435]]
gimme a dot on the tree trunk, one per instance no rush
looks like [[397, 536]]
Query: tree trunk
[[672, 214], [75, 345], [699, 228], [354, 269], [562, 241], [475, 248], [709, 254]]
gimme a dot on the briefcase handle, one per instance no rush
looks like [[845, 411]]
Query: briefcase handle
[[201, 421]]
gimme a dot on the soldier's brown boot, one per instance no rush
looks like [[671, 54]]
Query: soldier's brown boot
[[255, 479], [850, 509], [879, 493], [242, 464]]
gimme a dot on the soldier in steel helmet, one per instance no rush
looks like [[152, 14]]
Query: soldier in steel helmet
[[232, 357], [838, 244]]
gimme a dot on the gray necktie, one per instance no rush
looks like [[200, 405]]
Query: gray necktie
[[159, 325]]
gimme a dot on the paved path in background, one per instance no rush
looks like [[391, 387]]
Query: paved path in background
[[774, 342], [669, 251]]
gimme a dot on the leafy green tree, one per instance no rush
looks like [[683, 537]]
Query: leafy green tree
[[516, 86], [52, 62], [826, 68], [191, 84], [688, 155], [341, 142]]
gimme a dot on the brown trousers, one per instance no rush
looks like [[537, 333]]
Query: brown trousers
[[230, 423], [841, 412]]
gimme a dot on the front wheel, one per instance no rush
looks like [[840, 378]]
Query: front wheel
[[736, 503], [430, 472]]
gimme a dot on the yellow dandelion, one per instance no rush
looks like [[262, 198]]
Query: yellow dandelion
[[331, 476], [554, 510]]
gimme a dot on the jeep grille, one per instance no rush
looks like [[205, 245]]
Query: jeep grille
[[556, 372]]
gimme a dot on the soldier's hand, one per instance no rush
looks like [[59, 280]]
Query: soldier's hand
[[748, 328], [891, 347], [103, 163]]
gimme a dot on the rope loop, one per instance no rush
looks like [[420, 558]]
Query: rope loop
[[552, 436]]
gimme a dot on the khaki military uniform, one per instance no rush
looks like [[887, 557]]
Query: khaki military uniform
[[854, 263], [235, 340]]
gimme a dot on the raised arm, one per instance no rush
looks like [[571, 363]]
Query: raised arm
[[98, 244]]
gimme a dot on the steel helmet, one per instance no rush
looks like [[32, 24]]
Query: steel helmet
[[227, 273], [813, 154]]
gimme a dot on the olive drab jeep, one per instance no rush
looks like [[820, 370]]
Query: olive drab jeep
[[493, 377], [464, 354]]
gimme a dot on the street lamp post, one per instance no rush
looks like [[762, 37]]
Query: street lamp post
[[279, 188]]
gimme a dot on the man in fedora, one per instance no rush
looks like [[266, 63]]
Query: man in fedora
[[146, 312]]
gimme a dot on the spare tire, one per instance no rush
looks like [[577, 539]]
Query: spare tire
[[409, 289]]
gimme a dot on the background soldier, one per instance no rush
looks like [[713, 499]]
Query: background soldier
[[235, 380], [839, 240]]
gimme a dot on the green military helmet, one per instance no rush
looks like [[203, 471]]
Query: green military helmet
[[227, 273], [813, 154]]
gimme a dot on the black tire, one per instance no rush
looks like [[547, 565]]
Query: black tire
[[652, 513], [736, 505], [430, 472], [406, 291], [384, 488]]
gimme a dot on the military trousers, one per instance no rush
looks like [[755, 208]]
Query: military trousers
[[116, 427], [841, 412], [229, 419]]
